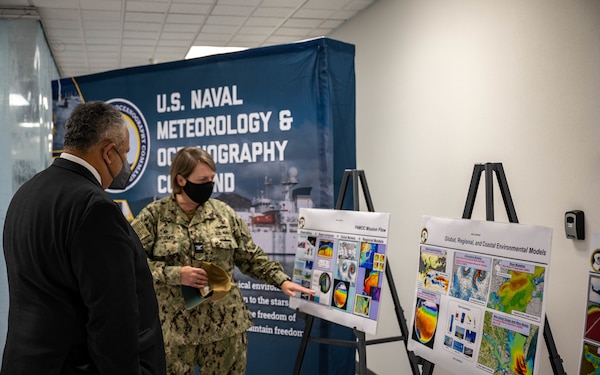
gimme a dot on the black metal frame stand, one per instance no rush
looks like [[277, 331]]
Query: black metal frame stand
[[360, 342], [555, 360]]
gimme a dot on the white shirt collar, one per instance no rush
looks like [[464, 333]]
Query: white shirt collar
[[80, 161]]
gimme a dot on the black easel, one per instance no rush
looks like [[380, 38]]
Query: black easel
[[360, 343], [555, 360]]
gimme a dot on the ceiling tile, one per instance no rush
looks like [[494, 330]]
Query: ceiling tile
[[12, 3], [253, 3], [174, 43], [101, 15], [105, 49], [135, 50], [225, 20], [147, 6], [90, 36], [212, 39], [315, 13], [278, 12], [54, 14], [104, 25], [101, 5], [282, 3], [246, 39], [140, 35], [226, 10], [263, 21], [209, 2], [184, 18], [305, 23], [112, 35], [178, 36], [329, 4], [181, 27], [291, 31], [221, 29], [56, 4], [129, 42], [144, 17], [255, 30], [189, 8], [141, 26]]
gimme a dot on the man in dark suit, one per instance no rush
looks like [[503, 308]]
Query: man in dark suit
[[81, 294]]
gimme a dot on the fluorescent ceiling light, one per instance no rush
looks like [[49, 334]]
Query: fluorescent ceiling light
[[17, 100], [29, 124], [201, 51]]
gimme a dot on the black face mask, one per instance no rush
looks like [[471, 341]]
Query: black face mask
[[199, 193], [121, 180]]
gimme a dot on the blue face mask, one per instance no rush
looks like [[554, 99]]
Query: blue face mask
[[121, 180], [199, 193]]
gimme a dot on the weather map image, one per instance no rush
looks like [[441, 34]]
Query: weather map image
[[367, 254], [325, 248], [590, 359], [432, 269], [508, 345], [517, 288], [426, 319], [470, 277], [362, 305], [340, 294]]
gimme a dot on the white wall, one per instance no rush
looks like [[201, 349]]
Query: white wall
[[444, 85]]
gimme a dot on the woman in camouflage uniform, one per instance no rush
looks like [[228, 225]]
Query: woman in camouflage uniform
[[180, 231]]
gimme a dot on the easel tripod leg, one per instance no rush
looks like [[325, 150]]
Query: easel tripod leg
[[362, 352], [309, 319]]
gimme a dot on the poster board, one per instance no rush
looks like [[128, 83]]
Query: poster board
[[279, 122], [342, 255], [590, 350], [479, 305]]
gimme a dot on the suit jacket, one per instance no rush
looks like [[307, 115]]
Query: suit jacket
[[81, 294]]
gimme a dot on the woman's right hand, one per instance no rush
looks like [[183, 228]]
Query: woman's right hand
[[194, 277]]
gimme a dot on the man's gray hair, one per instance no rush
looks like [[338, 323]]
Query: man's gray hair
[[91, 123]]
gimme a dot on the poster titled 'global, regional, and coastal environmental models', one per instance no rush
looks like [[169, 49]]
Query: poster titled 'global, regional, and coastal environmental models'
[[479, 305]]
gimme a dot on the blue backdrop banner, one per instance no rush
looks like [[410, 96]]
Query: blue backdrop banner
[[279, 122]]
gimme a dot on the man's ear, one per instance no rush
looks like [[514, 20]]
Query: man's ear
[[106, 150]]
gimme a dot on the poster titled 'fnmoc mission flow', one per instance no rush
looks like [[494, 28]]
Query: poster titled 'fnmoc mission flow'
[[342, 256]]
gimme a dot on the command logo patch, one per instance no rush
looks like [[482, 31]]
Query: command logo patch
[[139, 140]]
